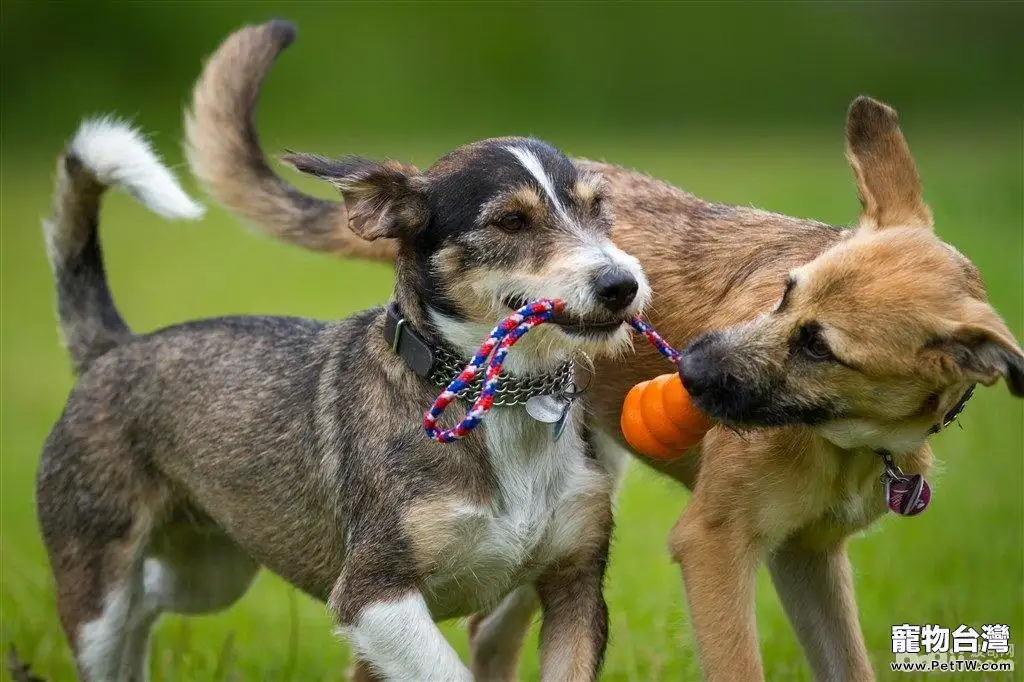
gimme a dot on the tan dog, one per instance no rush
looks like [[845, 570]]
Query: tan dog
[[837, 345]]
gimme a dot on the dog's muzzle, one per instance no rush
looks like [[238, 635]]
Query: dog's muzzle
[[615, 290], [723, 388]]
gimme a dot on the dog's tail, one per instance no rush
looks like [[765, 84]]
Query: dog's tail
[[224, 151], [104, 153]]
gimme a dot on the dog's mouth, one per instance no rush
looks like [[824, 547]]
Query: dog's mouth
[[573, 324], [741, 410]]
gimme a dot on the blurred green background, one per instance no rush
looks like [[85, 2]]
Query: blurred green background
[[742, 103]]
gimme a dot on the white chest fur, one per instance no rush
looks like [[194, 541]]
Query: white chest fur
[[541, 508]]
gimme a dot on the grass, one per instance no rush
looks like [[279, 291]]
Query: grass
[[961, 562]]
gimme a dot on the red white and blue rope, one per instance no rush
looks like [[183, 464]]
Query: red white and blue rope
[[492, 352], [655, 339]]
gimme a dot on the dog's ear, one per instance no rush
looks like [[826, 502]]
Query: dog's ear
[[383, 199], [982, 351], [887, 180]]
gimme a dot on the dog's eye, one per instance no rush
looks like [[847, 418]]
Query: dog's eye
[[511, 222], [812, 344], [596, 205]]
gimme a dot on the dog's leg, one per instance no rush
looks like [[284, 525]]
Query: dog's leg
[[719, 560], [111, 646], [399, 640], [136, 645], [496, 638], [101, 604], [574, 629], [815, 586], [117, 566], [385, 618], [97, 511]]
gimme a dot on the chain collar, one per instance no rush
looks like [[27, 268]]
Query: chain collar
[[512, 389], [440, 365]]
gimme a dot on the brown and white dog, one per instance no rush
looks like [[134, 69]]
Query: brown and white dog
[[187, 458], [816, 347]]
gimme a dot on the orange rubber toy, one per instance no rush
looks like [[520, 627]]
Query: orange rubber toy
[[660, 421]]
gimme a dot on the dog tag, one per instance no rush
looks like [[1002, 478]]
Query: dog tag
[[550, 409], [907, 495], [559, 427], [546, 409]]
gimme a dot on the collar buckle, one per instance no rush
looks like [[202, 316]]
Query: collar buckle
[[407, 343], [398, 334]]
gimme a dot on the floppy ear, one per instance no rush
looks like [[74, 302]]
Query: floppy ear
[[382, 199], [887, 180], [984, 351]]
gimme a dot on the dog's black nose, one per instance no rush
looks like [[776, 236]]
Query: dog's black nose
[[616, 289], [695, 373]]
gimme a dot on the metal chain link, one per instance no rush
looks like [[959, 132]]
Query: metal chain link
[[512, 390]]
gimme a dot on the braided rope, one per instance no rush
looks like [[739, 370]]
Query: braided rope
[[492, 352], [655, 339], [512, 389]]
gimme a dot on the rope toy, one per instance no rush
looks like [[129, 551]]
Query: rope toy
[[495, 347], [492, 353], [670, 353]]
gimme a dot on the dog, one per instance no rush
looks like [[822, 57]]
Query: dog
[[828, 356], [186, 459]]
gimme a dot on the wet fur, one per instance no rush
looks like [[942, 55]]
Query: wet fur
[[718, 272]]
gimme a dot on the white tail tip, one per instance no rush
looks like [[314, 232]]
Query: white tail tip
[[118, 155]]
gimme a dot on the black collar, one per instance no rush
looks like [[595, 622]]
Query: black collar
[[948, 419], [955, 411], [407, 342]]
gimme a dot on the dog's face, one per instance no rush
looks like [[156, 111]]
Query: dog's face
[[490, 226], [876, 340]]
